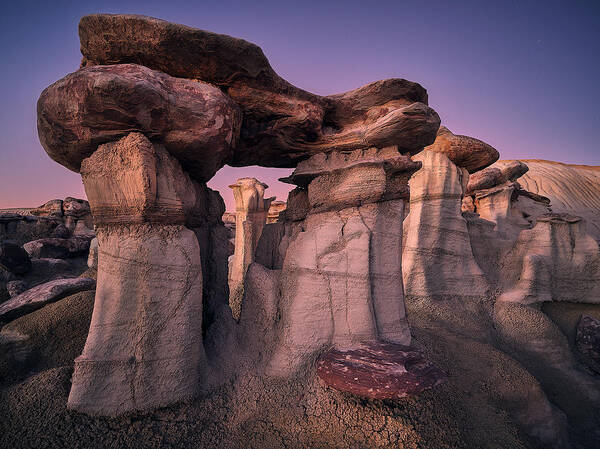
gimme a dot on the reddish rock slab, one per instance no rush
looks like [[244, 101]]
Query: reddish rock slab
[[282, 124], [40, 295], [494, 176], [377, 370], [587, 341], [195, 121], [464, 151]]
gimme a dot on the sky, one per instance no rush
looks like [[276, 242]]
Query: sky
[[520, 75]]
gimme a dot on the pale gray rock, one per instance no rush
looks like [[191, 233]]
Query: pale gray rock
[[93, 254], [438, 262], [251, 210], [147, 320]]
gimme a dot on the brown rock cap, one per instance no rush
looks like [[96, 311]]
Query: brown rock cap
[[378, 370], [464, 151], [196, 122], [282, 124]]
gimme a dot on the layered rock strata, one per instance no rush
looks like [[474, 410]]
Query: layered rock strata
[[147, 320], [438, 262], [341, 280], [251, 210]]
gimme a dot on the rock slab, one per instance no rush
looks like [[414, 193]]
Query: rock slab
[[37, 297], [376, 370]]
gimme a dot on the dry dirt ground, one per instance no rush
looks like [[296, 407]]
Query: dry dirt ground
[[475, 408]]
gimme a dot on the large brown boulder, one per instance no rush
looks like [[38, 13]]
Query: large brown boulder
[[195, 121], [282, 124], [467, 152]]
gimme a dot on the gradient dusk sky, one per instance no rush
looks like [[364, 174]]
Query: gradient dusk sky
[[520, 75]]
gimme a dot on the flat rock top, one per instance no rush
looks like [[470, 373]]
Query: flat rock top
[[377, 370]]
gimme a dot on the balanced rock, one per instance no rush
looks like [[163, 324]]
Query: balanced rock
[[494, 176], [464, 151], [251, 209], [195, 121], [37, 297], [14, 258], [377, 370], [282, 124]]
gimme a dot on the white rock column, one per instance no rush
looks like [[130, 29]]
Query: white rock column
[[251, 210], [341, 280], [144, 348]]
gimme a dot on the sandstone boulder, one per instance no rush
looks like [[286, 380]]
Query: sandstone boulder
[[494, 176], [196, 122], [14, 258], [376, 370], [282, 124], [52, 208], [463, 151], [37, 297]]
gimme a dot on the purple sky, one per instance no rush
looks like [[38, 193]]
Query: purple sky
[[520, 75]]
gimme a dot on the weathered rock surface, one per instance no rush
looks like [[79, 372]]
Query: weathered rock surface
[[282, 124], [494, 176], [37, 297], [587, 341], [147, 320], [275, 210], [377, 370], [463, 151], [57, 248], [340, 279], [93, 254], [572, 189], [556, 260], [438, 262], [195, 121], [14, 258], [251, 210], [52, 208]]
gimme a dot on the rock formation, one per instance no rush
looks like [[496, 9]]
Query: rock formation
[[147, 321], [341, 278], [251, 210], [147, 125], [438, 261], [572, 189]]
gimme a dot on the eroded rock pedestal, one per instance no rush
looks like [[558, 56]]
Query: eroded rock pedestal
[[144, 346], [251, 210], [341, 278]]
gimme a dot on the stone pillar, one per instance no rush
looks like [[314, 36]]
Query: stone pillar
[[251, 209], [341, 280], [144, 348], [438, 260]]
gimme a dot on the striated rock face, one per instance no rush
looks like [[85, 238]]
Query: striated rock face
[[41, 295], [378, 371], [341, 280], [556, 260], [251, 209], [438, 262], [281, 123], [572, 189], [466, 152], [140, 198], [196, 122]]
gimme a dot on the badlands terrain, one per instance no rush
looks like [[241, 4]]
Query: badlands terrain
[[413, 291]]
